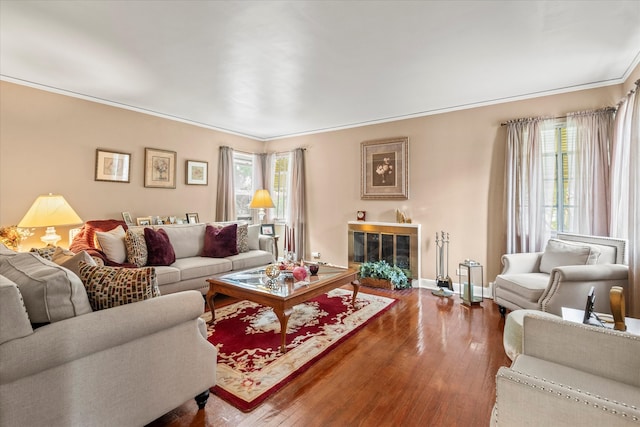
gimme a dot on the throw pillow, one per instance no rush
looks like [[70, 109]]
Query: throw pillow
[[46, 252], [220, 242], [243, 238], [109, 287], [5, 251], [558, 253], [136, 247], [159, 249], [51, 293], [13, 314], [253, 234], [112, 244], [71, 261]]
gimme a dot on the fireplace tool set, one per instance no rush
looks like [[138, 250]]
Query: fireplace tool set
[[445, 286]]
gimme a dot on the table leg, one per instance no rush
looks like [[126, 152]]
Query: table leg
[[283, 317], [356, 288], [209, 298]]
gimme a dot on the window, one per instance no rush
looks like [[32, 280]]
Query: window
[[559, 153], [280, 186], [243, 183]]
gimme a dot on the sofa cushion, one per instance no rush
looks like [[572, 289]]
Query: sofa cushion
[[251, 259], [112, 244], [46, 252], [71, 261], [51, 293], [253, 236], [109, 287], [528, 286], [243, 238], [194, 267], [136, 247], [220, 242], [187, 239], [159, 249], [167, 274], [559, 253], [14, 319]]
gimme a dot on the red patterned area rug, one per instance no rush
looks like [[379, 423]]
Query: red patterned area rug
[[251, 366]]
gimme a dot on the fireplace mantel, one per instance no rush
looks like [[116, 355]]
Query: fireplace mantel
[[397, 243]]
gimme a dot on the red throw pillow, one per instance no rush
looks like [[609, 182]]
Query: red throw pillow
[[159, 249], [220, 242]]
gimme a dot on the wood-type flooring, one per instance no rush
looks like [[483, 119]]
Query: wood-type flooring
[[428, 361]]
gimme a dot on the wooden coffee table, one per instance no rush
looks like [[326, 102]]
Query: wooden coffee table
[[253, 285]]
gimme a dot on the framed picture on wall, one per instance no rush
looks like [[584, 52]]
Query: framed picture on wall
[[385, 169], [159, 168], [192, 218], [197, 172], [112, 166]]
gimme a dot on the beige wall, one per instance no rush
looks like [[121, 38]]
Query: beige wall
[[48, 143]]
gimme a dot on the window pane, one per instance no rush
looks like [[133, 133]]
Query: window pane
[[243, 183], [280, 190]]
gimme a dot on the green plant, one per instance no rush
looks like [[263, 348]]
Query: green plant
[[385, 271]]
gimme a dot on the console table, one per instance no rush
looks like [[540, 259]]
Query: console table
[[396, 243]]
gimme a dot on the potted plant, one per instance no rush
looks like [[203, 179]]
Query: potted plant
[[380, 274]]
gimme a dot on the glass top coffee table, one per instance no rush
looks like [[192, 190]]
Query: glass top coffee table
[[281, 295]]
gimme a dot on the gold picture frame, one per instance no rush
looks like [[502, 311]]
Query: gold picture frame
[[144, 220], [197, 172], [385, 169], [159, 168], [112, 166]]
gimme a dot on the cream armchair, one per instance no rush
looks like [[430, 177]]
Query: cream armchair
[[562, 275], [570, 374]]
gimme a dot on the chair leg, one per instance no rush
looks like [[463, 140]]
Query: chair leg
[[202, 398], [502, 310]]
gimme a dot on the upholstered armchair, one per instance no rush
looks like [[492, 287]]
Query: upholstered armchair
[[562, 275]]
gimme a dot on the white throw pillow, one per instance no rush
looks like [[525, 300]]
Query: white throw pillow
[[253, 236], [559, 253], [112, 244], [68, 259]]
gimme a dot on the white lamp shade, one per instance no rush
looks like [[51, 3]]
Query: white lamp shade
[[49, 211], [261, 200]]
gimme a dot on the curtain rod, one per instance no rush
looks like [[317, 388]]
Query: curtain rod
[[530, 119]]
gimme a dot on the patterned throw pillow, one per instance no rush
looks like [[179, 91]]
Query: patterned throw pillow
[[109, 287], [243, 238], [46, 252], [136, 247]]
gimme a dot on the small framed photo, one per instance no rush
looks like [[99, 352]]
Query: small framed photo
[[192, 218], [159, 168], [385, 169], [197, 172], [145, 220], [126, 216], [112, 166], [267, 229]]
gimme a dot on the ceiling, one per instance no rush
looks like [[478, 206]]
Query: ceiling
[[270, 69]]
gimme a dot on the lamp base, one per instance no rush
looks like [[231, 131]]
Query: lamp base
[[50, 237]]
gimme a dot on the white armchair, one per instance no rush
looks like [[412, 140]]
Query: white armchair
[[562, 275]]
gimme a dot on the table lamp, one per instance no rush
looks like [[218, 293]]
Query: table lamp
[[50, 211], [261, 200]]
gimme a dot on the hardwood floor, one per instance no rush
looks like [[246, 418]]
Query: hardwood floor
[[428, 361]]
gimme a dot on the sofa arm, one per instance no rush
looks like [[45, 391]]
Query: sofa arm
[[523, 399], [528, 262], [570, 284], [71, 339], [599, 351]]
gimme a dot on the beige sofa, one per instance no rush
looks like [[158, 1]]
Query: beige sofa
[[562, 275], [190, 270], [570, 374], [63, 364]]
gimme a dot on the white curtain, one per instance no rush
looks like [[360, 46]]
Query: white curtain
[[625, 190], [226, 200], [527, 226], [590, 134], [297, 201]]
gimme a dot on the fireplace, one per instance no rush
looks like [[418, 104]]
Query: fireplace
[[398, 244]]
